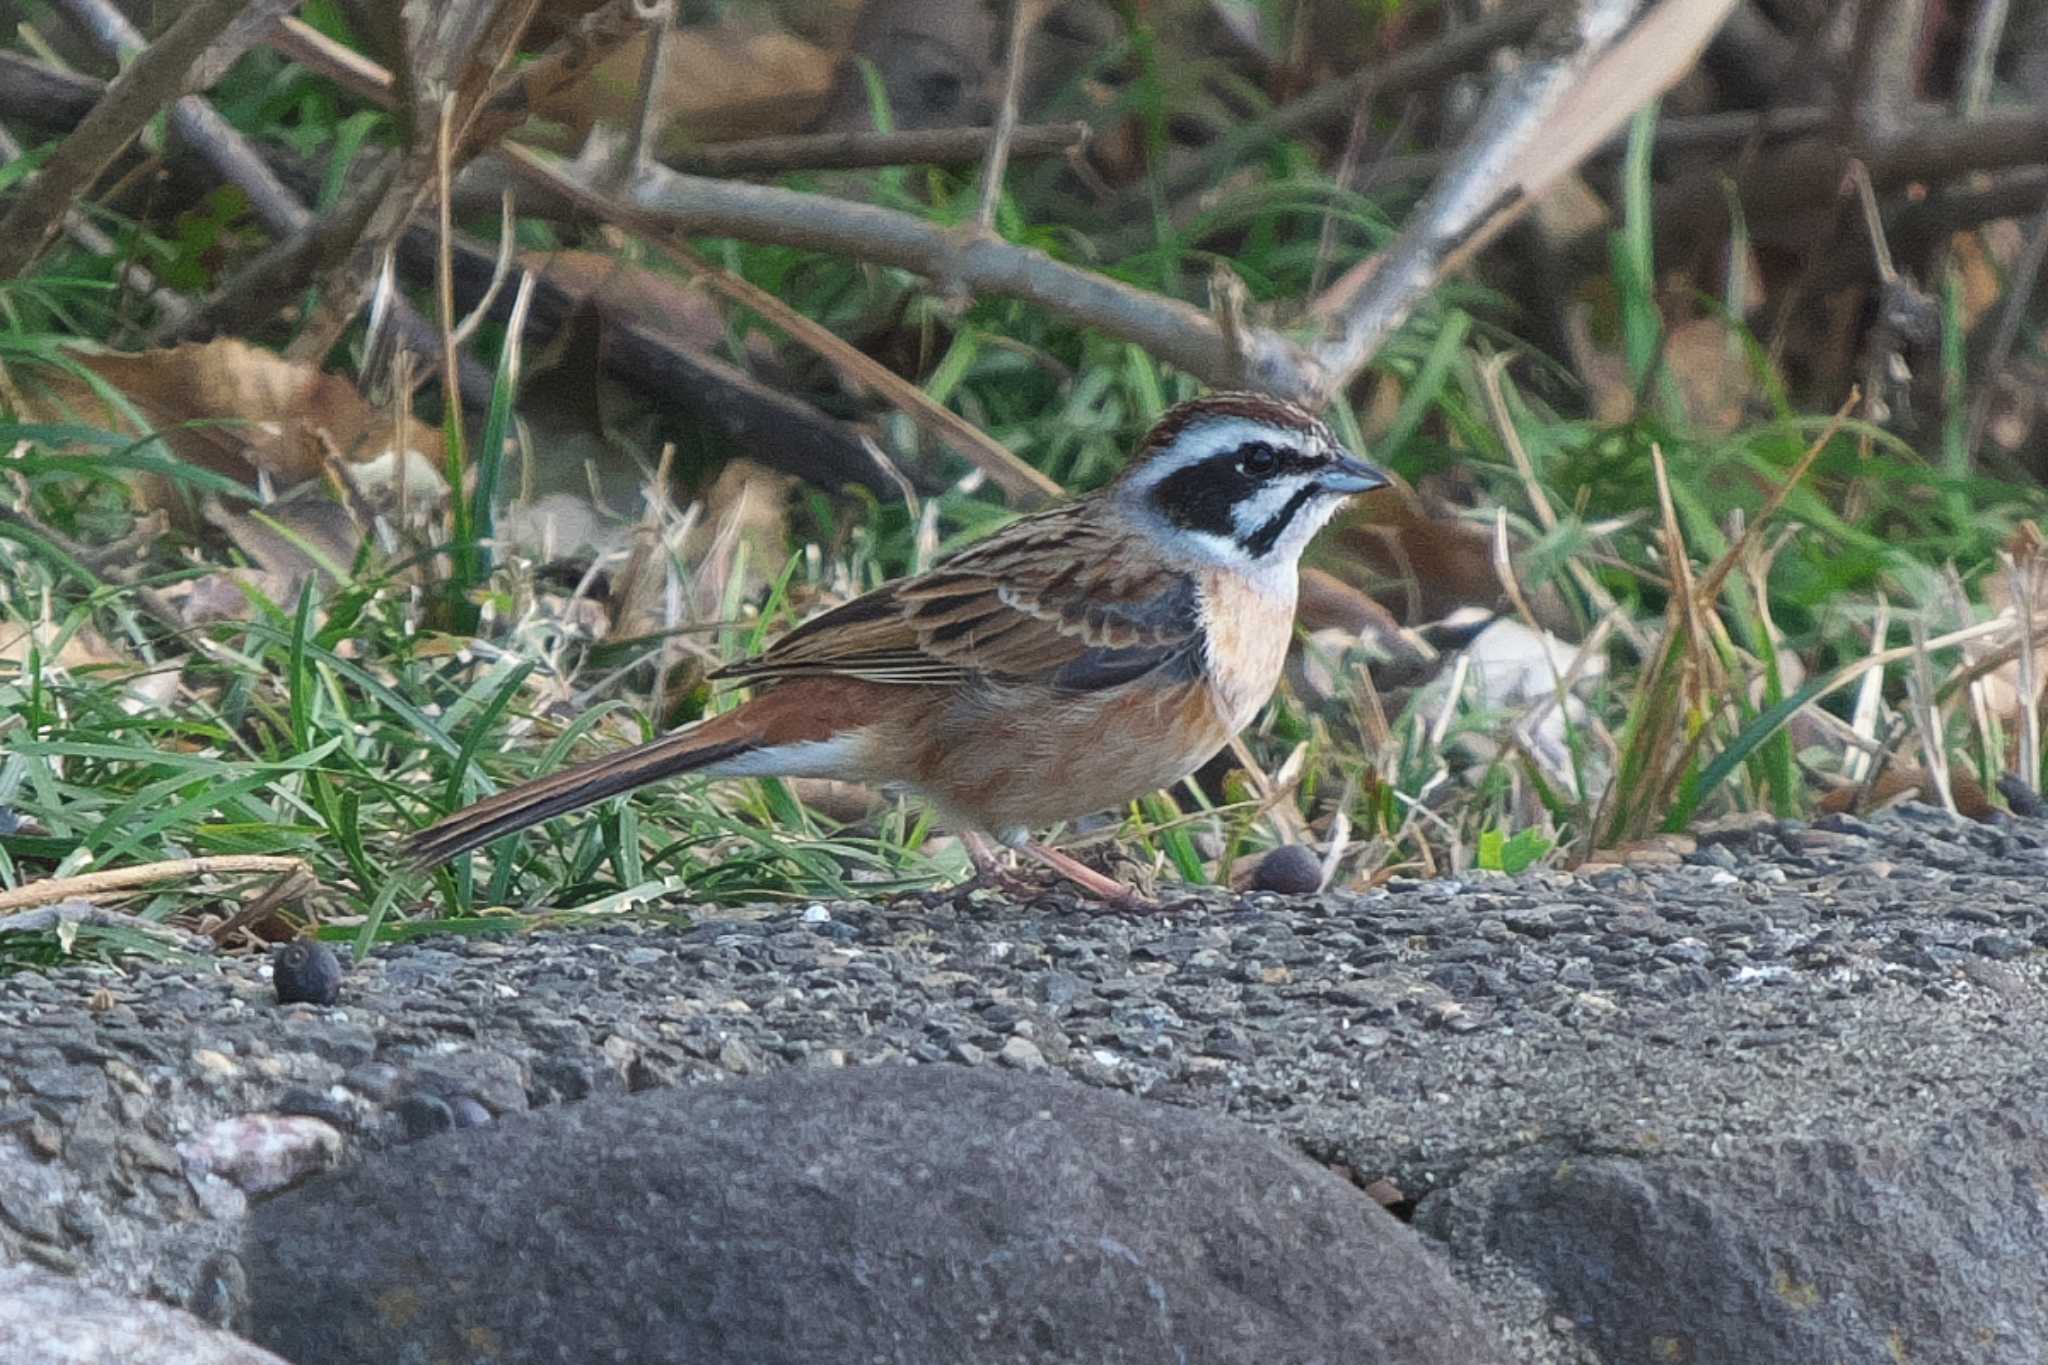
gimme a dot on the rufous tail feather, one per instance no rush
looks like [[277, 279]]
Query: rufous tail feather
[[585, 784]]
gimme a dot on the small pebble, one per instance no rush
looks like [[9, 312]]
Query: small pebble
[[306, 972], [1021, 1053], [1289, 870]]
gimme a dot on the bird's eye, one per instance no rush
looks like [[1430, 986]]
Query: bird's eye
[[1258, 459]]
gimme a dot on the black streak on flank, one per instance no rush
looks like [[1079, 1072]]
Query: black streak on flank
[[1096, 670]]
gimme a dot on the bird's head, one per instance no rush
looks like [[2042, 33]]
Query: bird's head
[[1241, 479]]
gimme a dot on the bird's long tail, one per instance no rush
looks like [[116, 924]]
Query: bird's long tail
[[752, 736]]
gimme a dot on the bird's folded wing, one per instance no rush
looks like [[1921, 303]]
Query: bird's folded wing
[[1049, 598]]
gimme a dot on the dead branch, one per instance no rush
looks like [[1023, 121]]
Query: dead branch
[[1536, 126], [153, 80], [565, 61], [454, 52], [114, 881], [86, 233], [1024, 17], [1016, 478], [43, 96], [1887, 52], [1458, 50], [856, 151], [231, 155], [1174, 331], [347, 68]]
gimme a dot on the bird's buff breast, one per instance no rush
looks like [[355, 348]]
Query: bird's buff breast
[[1023, 758], [1250, 626]]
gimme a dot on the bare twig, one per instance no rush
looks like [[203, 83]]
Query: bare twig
[[44, 96], [453, 50], [151, 81], [1174, 331], [2019, 295], [855, 151], [347, 68], [1987, 31], [1752, 57], [80, 229], [659, 17], [1425, 66], [230, 154], [1886, 53], [119, 880], [565, 62], [1347, 167], [1024, 17], [1800, 175], [254, 291], [1535, 128], [1018, 479], [290, 887]]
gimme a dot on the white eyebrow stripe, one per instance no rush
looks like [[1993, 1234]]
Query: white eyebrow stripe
[[1217, 436]]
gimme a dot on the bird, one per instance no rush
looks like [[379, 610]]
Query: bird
[[1069, 662]]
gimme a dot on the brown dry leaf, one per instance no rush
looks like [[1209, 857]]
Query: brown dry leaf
[[1714, 377], [744, 530], [85, 651], [1983, 260], [720, 82], [659, 300], [1328, 602], [1409, 552], [226, 596], [81, 649], [292, 539], [258, 416], [1908, 782]]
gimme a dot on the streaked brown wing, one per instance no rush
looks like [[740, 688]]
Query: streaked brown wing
[[1056, 596]]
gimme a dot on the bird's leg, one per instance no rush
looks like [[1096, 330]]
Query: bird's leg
[[989, 871], [1104, 888], [988, 865]]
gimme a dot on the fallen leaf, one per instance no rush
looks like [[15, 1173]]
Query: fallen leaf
[[233, 410], [719, 81]]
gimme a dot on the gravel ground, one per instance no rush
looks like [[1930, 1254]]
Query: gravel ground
[[1783, 980]]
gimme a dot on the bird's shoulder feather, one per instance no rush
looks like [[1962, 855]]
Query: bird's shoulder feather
[[1065, 596]]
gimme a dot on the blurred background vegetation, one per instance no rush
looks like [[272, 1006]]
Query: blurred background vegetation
[[326, 510]]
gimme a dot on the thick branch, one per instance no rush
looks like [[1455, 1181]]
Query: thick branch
[[43, 96], [150, 82], [1494, 170], [1176, 332], [1800, 175]]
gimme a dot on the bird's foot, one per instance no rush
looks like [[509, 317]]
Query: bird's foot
[[1112, 893], [991, 872]]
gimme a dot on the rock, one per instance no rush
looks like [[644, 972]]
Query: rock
[[1289, 870], [1021, 1053], [918, 1214], [47, 1319], [306, 971], [259, 1153], [1785, 1252]]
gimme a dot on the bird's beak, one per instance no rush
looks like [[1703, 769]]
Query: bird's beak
[[1346, 474]]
